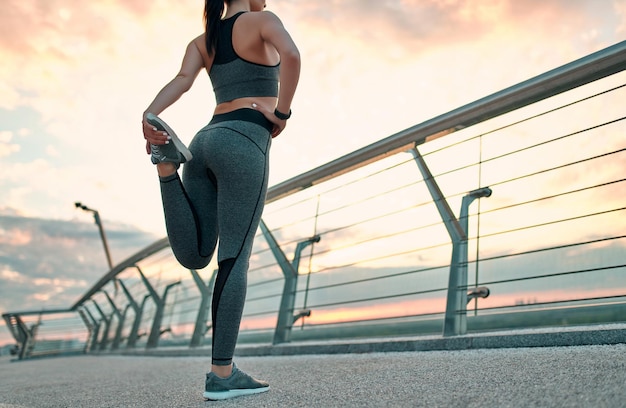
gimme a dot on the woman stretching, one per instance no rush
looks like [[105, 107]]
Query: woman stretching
[[247, 52]]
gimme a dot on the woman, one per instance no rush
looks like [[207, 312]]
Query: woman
[[247, 53]]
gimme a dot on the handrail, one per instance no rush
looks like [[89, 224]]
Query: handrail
[[585, 70], [38, 312]]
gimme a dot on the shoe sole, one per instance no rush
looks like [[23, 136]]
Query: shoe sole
[[223, 395], [163, 127]]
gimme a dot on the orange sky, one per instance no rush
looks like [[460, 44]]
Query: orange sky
[[76, 77]]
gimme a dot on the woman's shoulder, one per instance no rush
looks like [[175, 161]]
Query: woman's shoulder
[[200, 37], [262, 17], [200, 42]]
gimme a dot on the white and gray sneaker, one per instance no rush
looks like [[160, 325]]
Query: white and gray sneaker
[[237, 385], [174, 152]]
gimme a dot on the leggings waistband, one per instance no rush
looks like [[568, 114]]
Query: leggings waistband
[[246, 115]]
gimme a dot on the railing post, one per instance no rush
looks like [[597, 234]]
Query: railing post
[[120, 329], [120, 321], [89, 327], [96, 329], [155, 331], [456, 305], [455, 320], [134, 333], [107, 326], [286, 317], [21, 333], [138, 310], [201, 327]]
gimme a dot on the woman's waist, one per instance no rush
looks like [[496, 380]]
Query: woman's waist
[[267, 102], [247, 114]]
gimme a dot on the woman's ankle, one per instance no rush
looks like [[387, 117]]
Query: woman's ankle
[[222, 371], [166, 169]]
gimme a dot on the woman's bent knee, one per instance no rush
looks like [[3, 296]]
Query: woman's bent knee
[[194, 262]]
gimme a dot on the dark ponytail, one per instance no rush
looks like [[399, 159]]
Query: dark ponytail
[[213, 12]]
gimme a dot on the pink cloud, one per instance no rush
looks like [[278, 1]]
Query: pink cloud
[[9, 275], [15, 237], [52, 27], [416, 26]]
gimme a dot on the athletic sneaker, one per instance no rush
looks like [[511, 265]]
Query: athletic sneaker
[[237, 385], [174, 152]]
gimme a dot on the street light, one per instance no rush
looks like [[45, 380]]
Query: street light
[[96, 217]]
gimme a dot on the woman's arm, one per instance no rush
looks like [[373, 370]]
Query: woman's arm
[[274, 33], [192, 64]]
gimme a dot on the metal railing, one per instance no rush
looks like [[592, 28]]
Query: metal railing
[[370, 244]]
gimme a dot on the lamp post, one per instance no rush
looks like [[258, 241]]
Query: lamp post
[[96, 217]]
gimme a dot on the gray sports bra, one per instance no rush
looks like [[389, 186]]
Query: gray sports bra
[[233, 77]]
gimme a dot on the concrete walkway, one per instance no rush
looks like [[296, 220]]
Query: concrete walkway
[[580, 376], [556, 376]]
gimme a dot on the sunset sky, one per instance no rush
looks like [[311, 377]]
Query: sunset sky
[[76, 76]]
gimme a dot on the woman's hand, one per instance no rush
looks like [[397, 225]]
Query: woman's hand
[[152, 135], [279, 124]]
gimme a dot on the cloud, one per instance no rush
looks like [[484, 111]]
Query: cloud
[[620, 11], [60, 55], [52, 151], [372, 68], [61, 29], [15, 237], [48, 264], [41, 289], [9, 275], [409, 28], [56, 260], [6, 147], [84, 72]]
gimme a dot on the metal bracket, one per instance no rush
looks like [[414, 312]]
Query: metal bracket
[[479, 292]]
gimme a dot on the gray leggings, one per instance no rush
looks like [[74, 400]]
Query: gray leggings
[[221, 195]]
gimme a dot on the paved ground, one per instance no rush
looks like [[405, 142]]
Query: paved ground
[[578, 376]]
